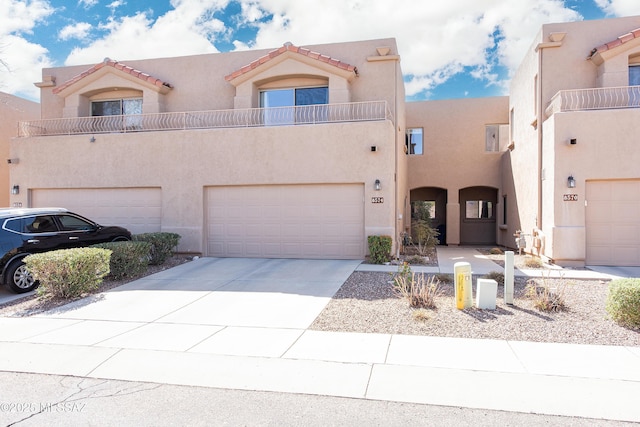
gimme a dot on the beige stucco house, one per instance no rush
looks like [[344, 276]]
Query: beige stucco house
[[304, 152], [12, 110]]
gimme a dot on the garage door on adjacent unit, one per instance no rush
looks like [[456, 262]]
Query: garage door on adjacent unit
[[137, 209], [613, 223], [286, 221]]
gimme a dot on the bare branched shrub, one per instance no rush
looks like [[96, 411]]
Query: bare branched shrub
[[420, 292], [545, 297]]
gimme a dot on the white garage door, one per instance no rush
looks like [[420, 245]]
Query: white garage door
[[613, 223], [137, 209], [286, 221]]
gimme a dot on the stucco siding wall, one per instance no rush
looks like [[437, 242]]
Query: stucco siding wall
[[182, 163]]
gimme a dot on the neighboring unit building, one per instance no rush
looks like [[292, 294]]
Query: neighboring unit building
[[12, 110], [304, 152]]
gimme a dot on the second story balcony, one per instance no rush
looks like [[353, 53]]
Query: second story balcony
[[253, 117], [605, 98]]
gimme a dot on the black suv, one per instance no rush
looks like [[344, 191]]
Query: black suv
[[32, 230]]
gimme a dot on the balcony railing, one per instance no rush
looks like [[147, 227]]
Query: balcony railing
[[253, 117], [594, 99]]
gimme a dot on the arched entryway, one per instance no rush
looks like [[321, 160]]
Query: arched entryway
[[478, 209], [436, 202]]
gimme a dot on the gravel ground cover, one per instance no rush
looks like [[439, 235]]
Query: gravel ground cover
[[367, 302]]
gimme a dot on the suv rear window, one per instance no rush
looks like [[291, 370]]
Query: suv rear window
[[32, 225]]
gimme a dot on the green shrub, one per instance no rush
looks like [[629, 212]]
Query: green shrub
[[623, 302], [128, 259], [69, 273], [162, 245], [379, 248]]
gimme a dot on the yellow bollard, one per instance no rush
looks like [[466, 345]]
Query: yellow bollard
[[463, 286]]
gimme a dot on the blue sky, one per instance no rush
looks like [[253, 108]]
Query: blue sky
[[454, 49]]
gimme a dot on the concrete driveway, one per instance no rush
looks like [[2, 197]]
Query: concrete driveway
[[264, 293]]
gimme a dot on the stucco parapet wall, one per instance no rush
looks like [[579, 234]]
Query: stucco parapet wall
[[289, 50], [153, 82]]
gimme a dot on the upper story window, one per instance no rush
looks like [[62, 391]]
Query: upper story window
[[116, 107], [414, 141], [634, 75], [279, 99]]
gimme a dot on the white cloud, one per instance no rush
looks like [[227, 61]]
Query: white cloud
[[78, 31], [87, 4], [22, 16], [25, 63], [435, 40], [619, 7], [185, 30]]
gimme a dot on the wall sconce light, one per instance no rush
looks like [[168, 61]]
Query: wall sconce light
[[376, 185], [571, 182], [15, 190], [573, 141]]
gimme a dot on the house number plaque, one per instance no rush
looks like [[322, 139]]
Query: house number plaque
[[570, 197], [377, 200]]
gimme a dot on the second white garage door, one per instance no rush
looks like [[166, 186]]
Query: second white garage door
[[286, 221], [613, 223], [137, 209]]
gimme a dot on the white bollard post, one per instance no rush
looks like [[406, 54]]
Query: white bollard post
[[508, 277]]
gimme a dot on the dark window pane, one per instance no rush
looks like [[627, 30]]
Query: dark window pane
[[106, 108], [312, 96]]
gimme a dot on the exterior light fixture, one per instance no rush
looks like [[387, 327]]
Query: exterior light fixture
[[571, 182], [15, 189], [92, 139], [376, 185]]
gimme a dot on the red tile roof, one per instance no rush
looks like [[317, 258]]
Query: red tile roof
[[118, 66], [620, 40], [288, 47]]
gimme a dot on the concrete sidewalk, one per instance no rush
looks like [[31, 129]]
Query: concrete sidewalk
[[243, 324]]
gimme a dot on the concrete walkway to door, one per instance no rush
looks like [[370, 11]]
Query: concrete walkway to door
[[243, 324]]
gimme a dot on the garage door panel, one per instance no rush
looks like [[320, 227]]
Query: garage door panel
[[613, 222], [138, 209], [318, 221]]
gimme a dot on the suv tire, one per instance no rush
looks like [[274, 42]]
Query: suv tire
[[19, 279]]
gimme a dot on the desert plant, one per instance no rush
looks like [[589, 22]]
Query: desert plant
[[495, 275], [416, 260], [421, 314], [444, 278], [425, 236], [128, 259], [533, 262], [496, 251], [69, 273], [162, 245], [623, 302], [379, 248], [420, 292], [545, 297]]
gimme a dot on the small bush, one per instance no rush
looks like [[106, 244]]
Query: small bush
[[546, 298], [444, 278], [420, 292], [162, 245], [416, 260], [379, 248], [69, 273], [495, 275], [533, 262], [128, 259], [623, 302], [421, 315], [496, 251]]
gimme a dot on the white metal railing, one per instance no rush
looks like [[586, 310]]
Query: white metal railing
[[594, 99], [252, 117]]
